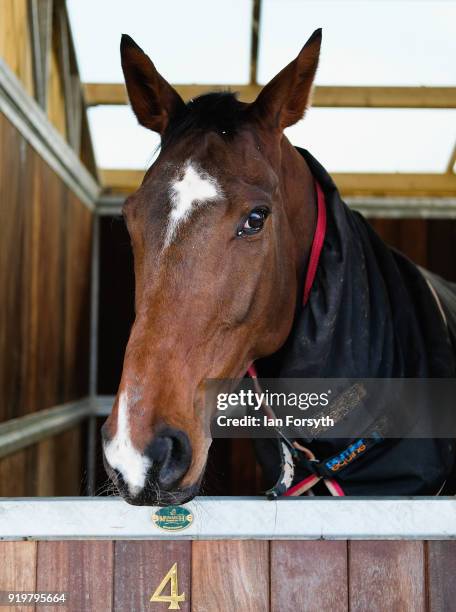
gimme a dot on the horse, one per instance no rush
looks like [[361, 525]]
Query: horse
[[229, 227]]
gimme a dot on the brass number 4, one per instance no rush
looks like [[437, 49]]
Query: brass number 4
[[173, 598]]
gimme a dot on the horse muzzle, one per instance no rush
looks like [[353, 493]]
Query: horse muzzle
[[154, 476]]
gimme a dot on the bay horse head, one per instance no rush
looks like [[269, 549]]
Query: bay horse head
[[221, 230]]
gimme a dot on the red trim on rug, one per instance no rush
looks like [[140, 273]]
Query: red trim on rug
[[317, 244], [315, 252]]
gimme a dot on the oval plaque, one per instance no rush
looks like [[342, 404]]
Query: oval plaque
[[172, 518]]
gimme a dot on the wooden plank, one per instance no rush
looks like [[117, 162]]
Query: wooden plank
[[61, 24], [18, 570], [68, 465], [56, 110], [45, 468], [13, 475], [86, 149], [121, 181], [45, 10], [323, 96], [441, 573], [104, 93], [388, 230], [40, 28], [385, 97], [140, 568], [413, 239], [76, 278], [410, 236], [29, 291], [349, 184], [82, 569], [43, 316], [254, 39], [309, 576], [230, 575], [15, 41], [41, 32], [13, 214], [76, 118], [386, 575], [442, 248], [395, 184]]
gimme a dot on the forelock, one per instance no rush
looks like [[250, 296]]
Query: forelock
[[221, 112]]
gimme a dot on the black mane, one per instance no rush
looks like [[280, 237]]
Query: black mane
[[218, 112]]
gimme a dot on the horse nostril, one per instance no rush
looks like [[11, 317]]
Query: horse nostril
[[172, 454]]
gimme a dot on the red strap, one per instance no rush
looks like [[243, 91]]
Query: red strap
[[317, 244]]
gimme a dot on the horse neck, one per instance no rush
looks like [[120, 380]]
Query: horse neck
[[300, 203]]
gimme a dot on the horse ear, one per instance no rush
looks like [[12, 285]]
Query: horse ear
[[283, 101], [152, 98]]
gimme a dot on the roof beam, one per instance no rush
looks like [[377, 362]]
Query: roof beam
[[349, 184], [396, 184], [254, 40], [324, 95], [40, 12], [452, 161]]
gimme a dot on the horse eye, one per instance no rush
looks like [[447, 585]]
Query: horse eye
[[254, 222]]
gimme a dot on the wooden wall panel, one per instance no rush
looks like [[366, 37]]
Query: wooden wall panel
[[386, 575], [77, 277], [309, 576], [14, 480], [12, 221], [140, 568], [53, 467], [81, 569], [428, 242], [442, 248], [441, 574], [56, 96], [236, 575], [230, 575], [45, 468], [68, 458], [18, 570], [43, 284], [15, 41], [45, 259]]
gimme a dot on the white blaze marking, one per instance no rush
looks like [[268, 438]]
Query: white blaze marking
[[195, 188], [122, 455]]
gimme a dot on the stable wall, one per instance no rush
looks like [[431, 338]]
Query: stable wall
[[244, 575], [48, 190], [45, 256]]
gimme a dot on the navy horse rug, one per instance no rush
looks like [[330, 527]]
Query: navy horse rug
[[368, 313]]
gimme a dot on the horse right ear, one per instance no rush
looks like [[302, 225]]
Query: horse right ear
[[152, 98], [283, 101]]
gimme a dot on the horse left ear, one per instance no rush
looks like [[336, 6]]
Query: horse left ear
[[283, 101], [153, 99]]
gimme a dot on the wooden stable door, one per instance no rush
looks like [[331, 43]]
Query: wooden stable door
[[234, 575]]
